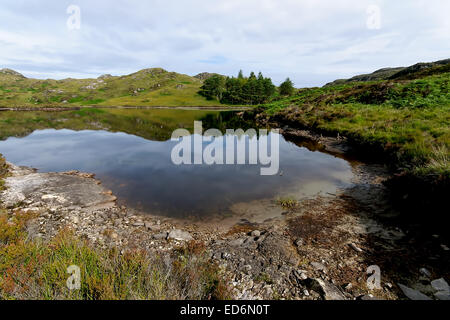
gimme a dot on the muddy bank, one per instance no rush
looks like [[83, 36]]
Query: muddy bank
[[319, 249]]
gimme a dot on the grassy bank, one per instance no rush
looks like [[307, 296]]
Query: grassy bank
[[407, 122]]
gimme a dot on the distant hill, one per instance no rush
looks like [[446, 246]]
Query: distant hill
[[415, 71], [148, 87], [9, 72]]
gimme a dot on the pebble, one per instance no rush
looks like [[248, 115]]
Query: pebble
[[425, 272], [256, 233], [355, 247], [318, 266], [160, 236]]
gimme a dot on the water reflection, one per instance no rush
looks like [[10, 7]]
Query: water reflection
[[140, 171]]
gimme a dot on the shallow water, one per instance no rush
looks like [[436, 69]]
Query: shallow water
[[141, 173]]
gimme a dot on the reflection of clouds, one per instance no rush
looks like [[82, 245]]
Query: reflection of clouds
[[146, 169]]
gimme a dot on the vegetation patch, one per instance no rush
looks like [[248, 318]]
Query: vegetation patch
[[38, 270], [408, 122]]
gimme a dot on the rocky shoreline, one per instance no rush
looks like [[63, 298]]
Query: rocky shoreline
[[318, 249]]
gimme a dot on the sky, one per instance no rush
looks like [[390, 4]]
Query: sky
[[310, 41]]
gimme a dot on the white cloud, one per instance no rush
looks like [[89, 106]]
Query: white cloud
[[310, 41]]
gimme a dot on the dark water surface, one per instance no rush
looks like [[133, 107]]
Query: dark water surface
[[141, 173]]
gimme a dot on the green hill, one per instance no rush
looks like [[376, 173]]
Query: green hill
[[405, 118], [148, 87], [415, 71]]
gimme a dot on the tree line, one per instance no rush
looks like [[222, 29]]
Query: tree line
[[244, 90]]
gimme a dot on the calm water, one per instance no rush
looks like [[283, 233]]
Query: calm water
[[140, 171]]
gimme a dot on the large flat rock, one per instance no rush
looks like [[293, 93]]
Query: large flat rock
[[58, 189]]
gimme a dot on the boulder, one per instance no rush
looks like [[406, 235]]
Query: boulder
[[413, 294], [440, 285]]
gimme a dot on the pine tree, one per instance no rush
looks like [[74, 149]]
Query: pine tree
[[213, 87], [287, 88]]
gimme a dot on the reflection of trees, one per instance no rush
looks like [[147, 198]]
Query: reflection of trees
[[140, 123], [227, 120]]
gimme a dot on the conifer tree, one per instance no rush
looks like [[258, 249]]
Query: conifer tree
[[287, 88]]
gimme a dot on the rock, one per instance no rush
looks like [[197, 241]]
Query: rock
[[440, 285], [256, 233], [354, 247], [348, 287], [299, 242], [138, 224], [225, 255], [148, 225], [425, 272], [260, 239], [413, 294], [53, 197], [444, 247], [366, 297], [300, 275], [318, 266], [327, 290], [236, 242], [160, 236], [179, 235], [442, 295]]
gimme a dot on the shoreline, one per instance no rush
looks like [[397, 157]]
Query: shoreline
[[74, 108], [319, 249]]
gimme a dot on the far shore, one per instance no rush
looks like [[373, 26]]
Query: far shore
[[71, 108]]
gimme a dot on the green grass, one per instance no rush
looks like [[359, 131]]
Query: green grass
[[408, 121], [3, 171], [149, 87], [38, 270]]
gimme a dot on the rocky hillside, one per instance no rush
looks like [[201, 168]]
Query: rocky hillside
[[148, 87], [415, 71]]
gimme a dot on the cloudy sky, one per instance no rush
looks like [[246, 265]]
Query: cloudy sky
[[310, 41]]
